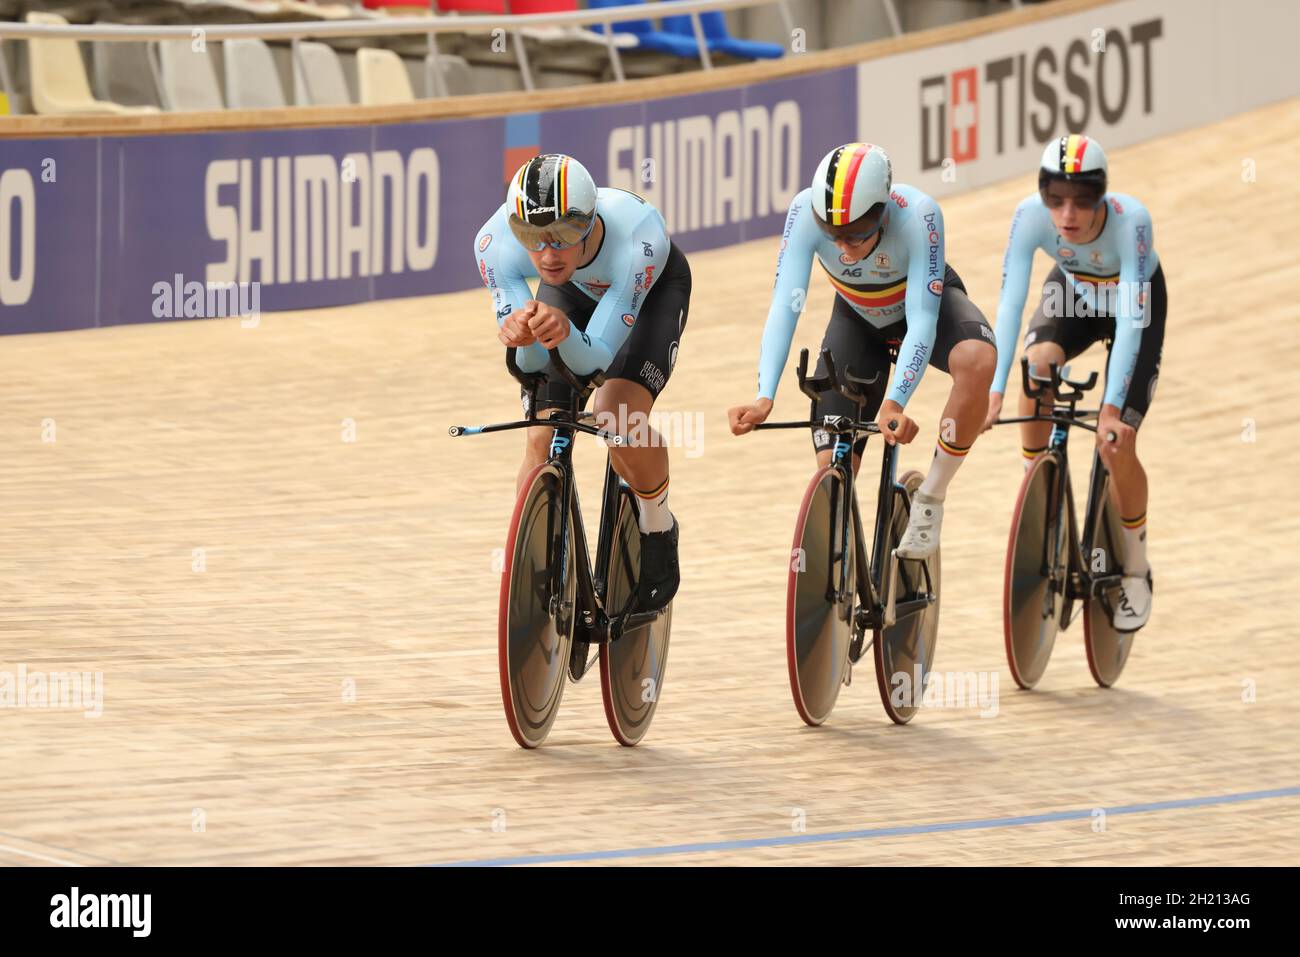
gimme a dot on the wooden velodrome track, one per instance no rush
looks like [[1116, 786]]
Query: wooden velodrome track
[[228, 736]]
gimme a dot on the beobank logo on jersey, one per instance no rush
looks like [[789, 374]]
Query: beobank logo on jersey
[[1006, 103]]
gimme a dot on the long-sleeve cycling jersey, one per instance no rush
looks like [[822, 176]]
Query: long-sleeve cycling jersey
[[634, 248], [1111, 274], [901, 277]]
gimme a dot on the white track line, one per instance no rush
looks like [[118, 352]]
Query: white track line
[[39, 857]]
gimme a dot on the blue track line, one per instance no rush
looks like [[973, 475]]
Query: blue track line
[[871, 833]]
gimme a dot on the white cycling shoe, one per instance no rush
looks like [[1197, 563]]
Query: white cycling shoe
[[921, 538], [1134, 606]]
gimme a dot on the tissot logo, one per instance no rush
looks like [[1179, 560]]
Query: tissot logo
[[1027, 98]]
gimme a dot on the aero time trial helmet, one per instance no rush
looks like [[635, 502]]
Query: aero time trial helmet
[[552, 201], [850, 191], [1078, 161]]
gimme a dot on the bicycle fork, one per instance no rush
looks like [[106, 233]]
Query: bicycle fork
[[1057, 564]]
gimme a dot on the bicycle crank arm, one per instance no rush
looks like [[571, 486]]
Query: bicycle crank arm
[[890, 612], [1103, 583], [913, 606], [631, 622]]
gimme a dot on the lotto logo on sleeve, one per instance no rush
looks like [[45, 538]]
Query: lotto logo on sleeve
[[485, 242], [936, 286], [628, 318]]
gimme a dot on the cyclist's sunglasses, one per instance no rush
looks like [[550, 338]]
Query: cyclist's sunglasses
[[560, 234]]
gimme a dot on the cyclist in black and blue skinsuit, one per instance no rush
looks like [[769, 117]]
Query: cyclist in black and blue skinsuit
[[613, 297], [882, 246], [1106, 284]]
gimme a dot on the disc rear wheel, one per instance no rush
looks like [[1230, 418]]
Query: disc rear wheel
[[905, 650], [632, 668], [1107, 648]]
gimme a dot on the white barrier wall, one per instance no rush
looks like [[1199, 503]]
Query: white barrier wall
[[962, 115]]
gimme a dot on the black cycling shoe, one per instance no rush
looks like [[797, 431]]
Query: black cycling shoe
[[659, 577]]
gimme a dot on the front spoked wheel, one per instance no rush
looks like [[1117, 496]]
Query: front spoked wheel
[[905, 650], [536, 612], [631, 668], [1034, 583], [1107, 648], [819, 612]]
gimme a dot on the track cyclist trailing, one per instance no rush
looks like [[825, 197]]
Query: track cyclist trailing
[[1106, 284], [613, 297], [882, 247]]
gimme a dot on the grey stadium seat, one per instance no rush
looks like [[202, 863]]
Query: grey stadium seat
[[124, 74], [187, 79], [321, 74], [252, 80]]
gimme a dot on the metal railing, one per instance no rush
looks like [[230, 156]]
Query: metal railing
[[429, 26]]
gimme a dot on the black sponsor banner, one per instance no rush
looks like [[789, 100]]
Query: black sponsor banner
[[332, 906]]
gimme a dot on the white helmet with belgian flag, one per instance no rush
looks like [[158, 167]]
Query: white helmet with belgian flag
[[1077, 161], [551, 201], [850, 191]]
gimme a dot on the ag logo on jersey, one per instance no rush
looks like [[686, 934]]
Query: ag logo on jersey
[[936, 286], [628, 319], [485, 242]]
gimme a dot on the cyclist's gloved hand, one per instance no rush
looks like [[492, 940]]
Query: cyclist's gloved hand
[[995, 410], [897, 428], [548, 324], [514, 331], [1108, 422], [743, 418]]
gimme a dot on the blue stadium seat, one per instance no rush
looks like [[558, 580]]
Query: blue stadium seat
[[719, 40], [648, 38]]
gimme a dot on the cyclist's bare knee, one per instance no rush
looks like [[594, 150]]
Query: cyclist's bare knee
[[1043, 355], [537, 441], [623, 406]]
